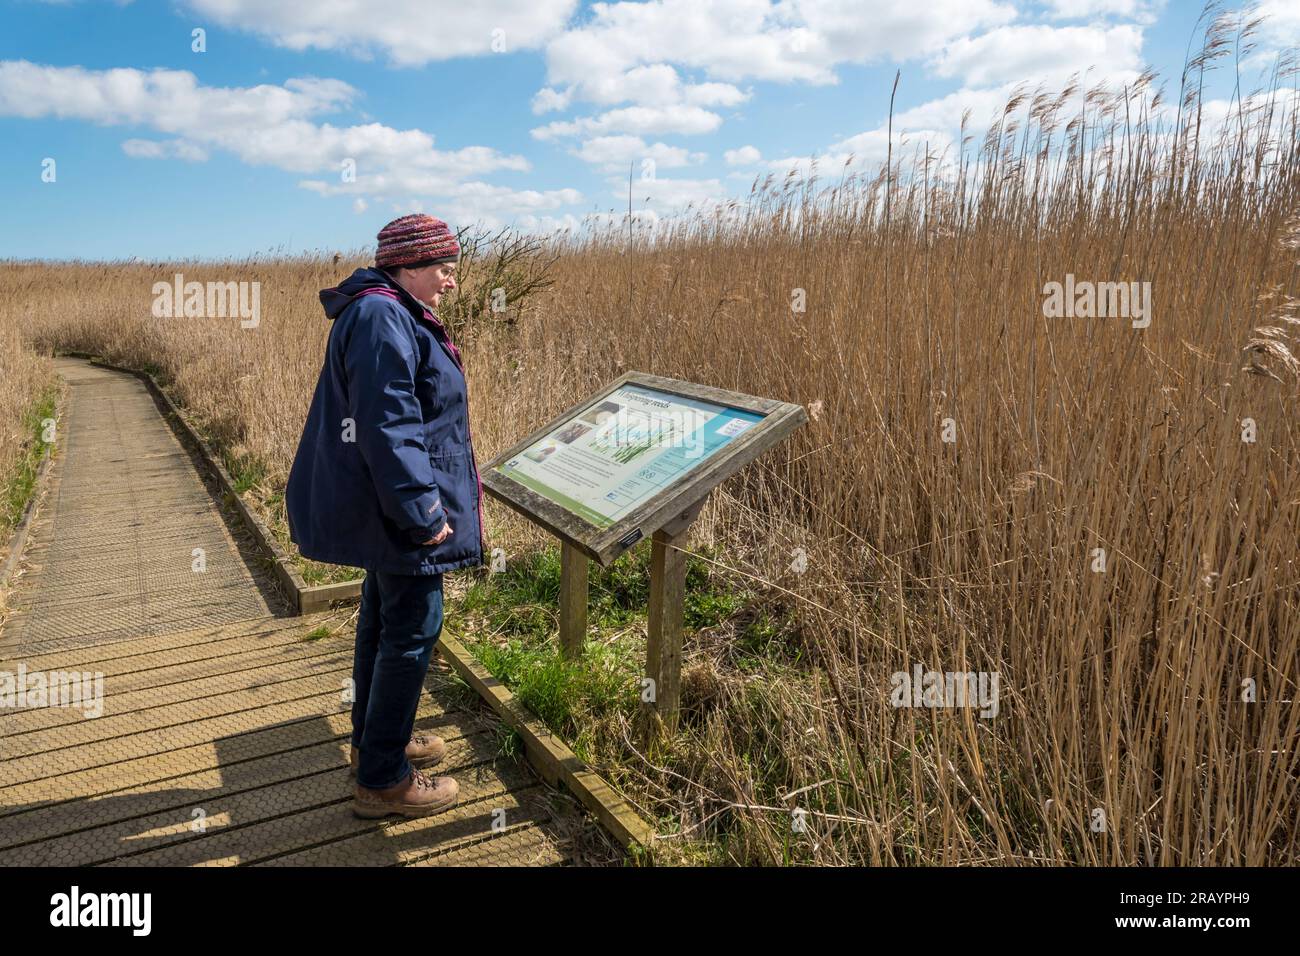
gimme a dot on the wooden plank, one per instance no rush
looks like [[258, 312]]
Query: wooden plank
[[286, 575], [573, 601], [319, 597], [664, 631]]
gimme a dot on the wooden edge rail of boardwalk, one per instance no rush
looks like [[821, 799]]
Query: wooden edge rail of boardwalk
[[218, 733]]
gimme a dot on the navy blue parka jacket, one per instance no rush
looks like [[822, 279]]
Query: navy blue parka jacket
[[385, 457]]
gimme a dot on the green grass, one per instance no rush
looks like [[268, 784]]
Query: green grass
[[524, 598], [514, 620], [566, 695], [318, 633], [246, 471], [20, 485]]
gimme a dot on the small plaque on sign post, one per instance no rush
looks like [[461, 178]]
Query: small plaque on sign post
[[637, 459]]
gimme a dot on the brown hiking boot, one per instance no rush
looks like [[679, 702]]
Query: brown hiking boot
[[419, 795], [423, 750]]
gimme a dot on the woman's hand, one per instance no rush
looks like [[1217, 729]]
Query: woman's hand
[[440, 537]]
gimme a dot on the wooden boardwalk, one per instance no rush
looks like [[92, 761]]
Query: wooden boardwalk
[[222, 735]]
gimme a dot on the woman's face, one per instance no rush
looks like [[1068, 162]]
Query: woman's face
[[430, 283]]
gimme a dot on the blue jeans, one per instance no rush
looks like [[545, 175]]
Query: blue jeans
[[398, 625]]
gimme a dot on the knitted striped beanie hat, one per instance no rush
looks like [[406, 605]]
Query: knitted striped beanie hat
[[415, 238]]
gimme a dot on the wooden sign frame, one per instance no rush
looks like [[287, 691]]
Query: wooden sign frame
[[604, 545]]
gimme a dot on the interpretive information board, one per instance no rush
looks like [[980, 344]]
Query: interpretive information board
[[615, 455], [635, 460]]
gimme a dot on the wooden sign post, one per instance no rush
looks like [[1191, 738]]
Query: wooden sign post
[[573, 600], [636, 460], [667, 596]]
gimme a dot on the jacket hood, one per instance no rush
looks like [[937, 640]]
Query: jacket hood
[[337, 299]]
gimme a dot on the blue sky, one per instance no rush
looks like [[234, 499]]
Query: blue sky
[[523, 114]]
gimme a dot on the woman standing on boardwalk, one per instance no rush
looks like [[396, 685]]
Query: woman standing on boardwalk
[[384, 479]]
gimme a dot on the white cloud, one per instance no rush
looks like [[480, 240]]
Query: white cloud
[[637, 120], [267, 125], [855, 31], [1042, 53], [655, 84], [632, 52], [614, 153], [1281, 26], [744, 156], [169, 100], [546, 99], [407, 32], [669, 195], [168, 149], [1265, 111], [474, 214], [713, 94], [866, 151], [729, 39], [945, 112], [933, 125], [502, 198], [1143, 10], [737, 40], [985, 106]]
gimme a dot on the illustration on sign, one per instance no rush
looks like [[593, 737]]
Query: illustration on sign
[[621, 451]]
